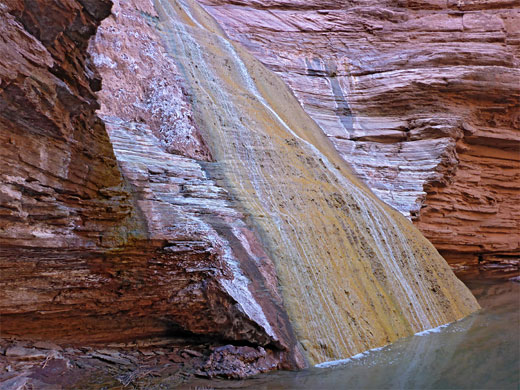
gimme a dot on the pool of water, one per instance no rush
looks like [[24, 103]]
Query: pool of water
[[481, 351]]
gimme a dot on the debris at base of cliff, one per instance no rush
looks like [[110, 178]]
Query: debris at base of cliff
[[233, 362], [141, 365]]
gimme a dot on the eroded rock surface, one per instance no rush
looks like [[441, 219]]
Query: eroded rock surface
[[60, 185], [164, 222], [353, 273], [141, 81], [96, 249], [150, 364], [420, 97]]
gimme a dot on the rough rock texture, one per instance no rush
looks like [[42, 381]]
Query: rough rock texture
[[354, 273], [59, 186], [420, 97], [129, 231], [92, 255], [158, 148], [145, 364], [141, 82]]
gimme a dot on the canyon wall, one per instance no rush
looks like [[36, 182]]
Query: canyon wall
[[103, 247], [203, 201], [353, 273], [420, 97]]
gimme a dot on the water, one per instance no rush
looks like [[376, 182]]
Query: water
[[481, 351]]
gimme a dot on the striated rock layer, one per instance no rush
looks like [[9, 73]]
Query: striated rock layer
[[420, 97], [209, 206], [353, 273], [99, 249]]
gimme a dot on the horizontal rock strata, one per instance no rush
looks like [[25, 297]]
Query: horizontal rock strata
[[99, 247], [354, 274], [420, 97], [203, 184]]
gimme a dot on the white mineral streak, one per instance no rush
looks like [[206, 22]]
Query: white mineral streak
[[376, 225], [135, 145]]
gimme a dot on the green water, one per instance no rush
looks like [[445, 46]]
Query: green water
[[481, 351]]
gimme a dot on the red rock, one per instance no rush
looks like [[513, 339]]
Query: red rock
[[25, 353], [237, 362], [99, 250], [117, 233], [420, 97]]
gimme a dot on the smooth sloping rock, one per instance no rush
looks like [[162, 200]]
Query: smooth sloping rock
[[354, 274]]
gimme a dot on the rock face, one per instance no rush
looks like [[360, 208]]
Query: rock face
[[142, 83], [341, 256], [420, 97], [60, 185], [208, 189], [96, 249]]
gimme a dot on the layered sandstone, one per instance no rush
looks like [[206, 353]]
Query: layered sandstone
[[99, 249], [208, 186], [420, 97]]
